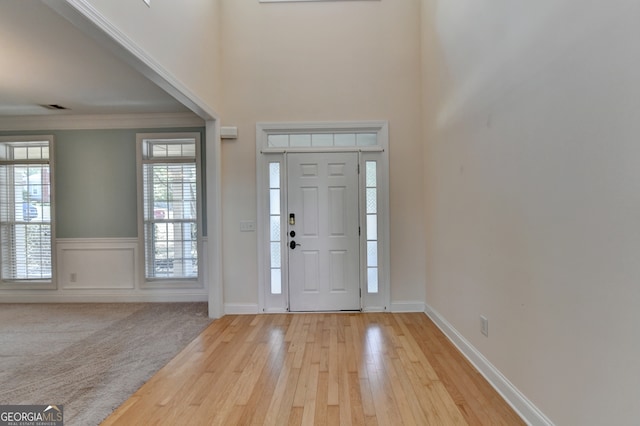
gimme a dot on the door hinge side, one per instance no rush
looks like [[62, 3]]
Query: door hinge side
[[359, 231], [358, 168]]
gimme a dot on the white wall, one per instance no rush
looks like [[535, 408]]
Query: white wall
[[532, 186], [325, 61], [181, 36]]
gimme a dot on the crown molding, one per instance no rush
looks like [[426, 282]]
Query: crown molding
[[102, 121]]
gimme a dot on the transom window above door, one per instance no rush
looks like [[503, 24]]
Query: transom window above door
[[293, 1], [322, 140]]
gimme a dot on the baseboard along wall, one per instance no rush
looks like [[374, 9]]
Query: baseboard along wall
[[518, 401]]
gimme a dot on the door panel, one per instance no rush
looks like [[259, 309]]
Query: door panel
[[324, 258], [337, 207], [310, 219]]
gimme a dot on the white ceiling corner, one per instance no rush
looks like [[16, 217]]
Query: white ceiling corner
[[45, 60]]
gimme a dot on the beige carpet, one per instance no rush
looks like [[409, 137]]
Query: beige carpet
[[89, 357]]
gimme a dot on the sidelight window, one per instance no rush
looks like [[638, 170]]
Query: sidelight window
[[371, 200], [275, 218]]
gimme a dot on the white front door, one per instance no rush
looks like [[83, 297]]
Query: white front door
[[323, 231]]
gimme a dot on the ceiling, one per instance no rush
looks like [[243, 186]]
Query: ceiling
[[45, 60]]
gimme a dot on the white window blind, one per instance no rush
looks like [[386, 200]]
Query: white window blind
[[25, 209], [170, 207]]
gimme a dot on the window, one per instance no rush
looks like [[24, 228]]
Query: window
[[275, 219], [371, 199], [322, 140], [292, 1], [170, 206], [25, 209]]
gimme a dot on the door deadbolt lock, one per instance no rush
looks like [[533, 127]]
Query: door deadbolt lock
[[292, 234], [293, 245]]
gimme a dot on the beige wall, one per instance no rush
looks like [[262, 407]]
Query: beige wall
[[513, 151], [325, 61], [181, 36], [532, 118]]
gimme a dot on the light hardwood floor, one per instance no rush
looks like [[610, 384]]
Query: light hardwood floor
[[326, 368]]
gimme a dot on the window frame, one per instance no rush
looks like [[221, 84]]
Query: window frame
[[169, 282], [45, 283]]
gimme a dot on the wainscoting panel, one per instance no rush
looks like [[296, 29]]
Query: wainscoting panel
[[104, 264], [105, 270], [97, 264]]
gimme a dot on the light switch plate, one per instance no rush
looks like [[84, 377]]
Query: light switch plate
[[247, 226], [484, 325]]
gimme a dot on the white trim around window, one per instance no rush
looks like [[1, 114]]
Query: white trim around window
[[27, 213], [170, 210]]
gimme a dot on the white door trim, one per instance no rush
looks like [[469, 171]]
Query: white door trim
[[266, 154]]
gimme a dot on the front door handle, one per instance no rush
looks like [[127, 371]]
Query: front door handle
[[293, 245]]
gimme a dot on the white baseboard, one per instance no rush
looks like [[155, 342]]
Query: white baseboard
[[252, 309], [374, 309], [525, 408], [241, 308], [275, 311], [407, 306], [52, 297]]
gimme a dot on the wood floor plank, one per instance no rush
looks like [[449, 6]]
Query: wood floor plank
[[344, 401], [295, 418], [355, 399], [301, 385], [318, 369], [286, 404], [321, 409], [368, 405], [309, 410], [284, 391], [332, 385], [260, 399]]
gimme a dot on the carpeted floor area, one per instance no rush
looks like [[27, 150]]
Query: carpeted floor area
[[89, 357]]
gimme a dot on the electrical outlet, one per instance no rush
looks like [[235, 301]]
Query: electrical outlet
[[484, 325]]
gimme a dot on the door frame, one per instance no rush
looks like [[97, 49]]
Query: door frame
[[374, 150]]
